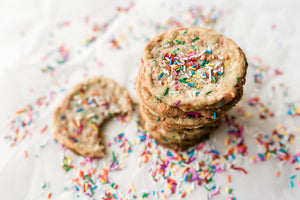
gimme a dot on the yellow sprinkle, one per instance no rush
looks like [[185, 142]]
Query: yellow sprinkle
[[279, 127], [188, 189], [163, 196], [94, 127], [222, 159], [252, 158], [227, 141], [85, 168], [169, 40], [125, 155], [86, 186], [125, 199], [196, 76], [192, 68], [107, 188], [298, 129], [212, 57], [169, 185], [122, 163], [166, 83], [227, 190], [78, 123], [227, 63], [210, 65], [198, 86], [284, 133], [276, 137], [268, 156], [134, 141], [182, 172], [188, 80], [132, 188]]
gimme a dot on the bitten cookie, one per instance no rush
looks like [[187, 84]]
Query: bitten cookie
[[79, 116]]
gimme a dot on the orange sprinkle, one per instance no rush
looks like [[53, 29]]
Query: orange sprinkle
[[226, 57], [96, 93], [49, 195], [146, 158], [228, 178], [94, 170], [43, 129], [183, 194], [277, 173], [115, 99], [163, 109], [26, 154]]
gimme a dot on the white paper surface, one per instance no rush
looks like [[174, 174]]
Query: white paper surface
[[30, 30]]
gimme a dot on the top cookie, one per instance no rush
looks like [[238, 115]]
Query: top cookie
[[193, 66], [79, 117]]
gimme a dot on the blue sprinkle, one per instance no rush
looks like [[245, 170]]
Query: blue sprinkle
[[153, 193], [213, 187], [204, 74], [161, 74], [214, 151], [142, 137], [170, 61], [194, 66], [94, 187], [282, 151], [190, 84], [292, 184], [215, 115], [197, 93], [232, 156], [220, 73], [115, 196], [292, 177], [185, 178], [77, 188], [63, 117], [296, 158], [203, 62], [176, 62], [79, 110], [193, 72], [207, 51], [261, 156]]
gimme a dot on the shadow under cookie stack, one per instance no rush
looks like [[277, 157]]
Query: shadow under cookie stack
[[189, 78]]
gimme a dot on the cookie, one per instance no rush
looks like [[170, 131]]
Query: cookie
[[78, 118], [171, 144], [193, 67]]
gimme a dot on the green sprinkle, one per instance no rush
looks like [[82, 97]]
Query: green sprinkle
[[183, 42], [177, 49], [182, 80], [205, 187], [239, 80], [154, 60], [145, 195], [158, 98], [229, 191], [207, 61], [114, 157], [166, 91], [194, 48], [195, 39], [208, 92], [178, 69], [174, 52], [215, 80], [185, 32], [44, 185], [177, 41]]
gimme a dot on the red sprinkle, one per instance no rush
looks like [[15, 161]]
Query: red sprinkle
[[238, 168]]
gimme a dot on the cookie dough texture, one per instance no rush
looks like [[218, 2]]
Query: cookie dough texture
[[189, 78], [78, 118]]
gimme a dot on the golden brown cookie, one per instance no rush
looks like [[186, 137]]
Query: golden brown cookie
[[78, 118]]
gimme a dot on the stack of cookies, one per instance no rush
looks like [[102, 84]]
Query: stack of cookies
[[188, 79]]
